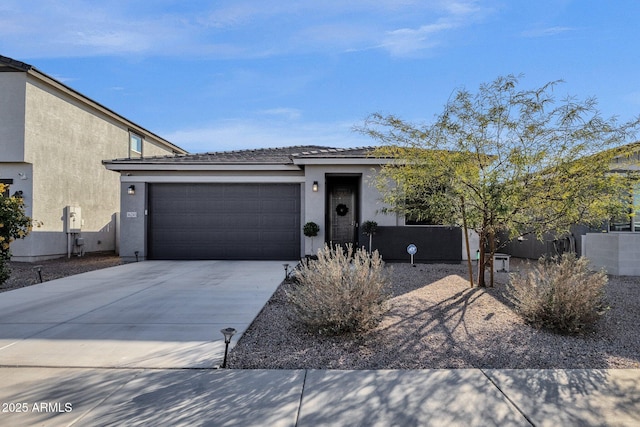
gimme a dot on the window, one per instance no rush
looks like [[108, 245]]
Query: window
[[4, 189], [631, 221], [135, 145], [429, 206]]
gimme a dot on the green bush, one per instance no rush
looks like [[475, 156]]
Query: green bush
[[14, 224], [560, 294], [369, 227], [341, 291], [310, 229]]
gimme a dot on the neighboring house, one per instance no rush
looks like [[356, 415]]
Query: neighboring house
[[52, 143], [253, 204], [614, 247], [617, 247]]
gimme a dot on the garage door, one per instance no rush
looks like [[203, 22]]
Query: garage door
[[224, 221]]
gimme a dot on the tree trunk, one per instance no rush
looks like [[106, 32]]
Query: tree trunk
[[481, 261], [466, 239], [492, 251]]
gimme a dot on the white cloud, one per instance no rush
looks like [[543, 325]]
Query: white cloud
[[286, 113], [63, 79], [452, 15], [237, 134], [406, 41], [240, 29], [546, 32], [82, 28], [461, 8]]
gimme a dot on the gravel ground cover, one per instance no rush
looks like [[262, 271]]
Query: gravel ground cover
[[438, 321], [24, 273]]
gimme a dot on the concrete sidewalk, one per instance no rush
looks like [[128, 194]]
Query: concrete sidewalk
[[188, 397]]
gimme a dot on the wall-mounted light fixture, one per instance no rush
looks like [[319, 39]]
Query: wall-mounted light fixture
[[131, 190], [314, 187]]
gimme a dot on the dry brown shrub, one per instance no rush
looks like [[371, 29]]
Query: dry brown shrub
[[561, 294], [342, 291]]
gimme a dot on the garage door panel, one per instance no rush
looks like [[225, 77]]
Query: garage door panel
[[242, 192], [168, 221], [278, 222], [244, 220], [278, 206], [224, 221], [278, 237], [240, 206], [207, 221]]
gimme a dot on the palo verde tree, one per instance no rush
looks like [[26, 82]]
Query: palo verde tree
[[14, 224], [506, 160]]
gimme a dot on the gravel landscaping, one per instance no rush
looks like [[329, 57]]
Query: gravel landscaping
[[24, 273], [437, 321]]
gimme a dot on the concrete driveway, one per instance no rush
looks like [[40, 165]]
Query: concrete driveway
[[152, 314]]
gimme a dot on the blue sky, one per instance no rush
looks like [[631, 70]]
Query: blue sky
[[223, 75]]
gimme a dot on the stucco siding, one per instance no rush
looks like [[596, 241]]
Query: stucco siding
[[133, 221], [65, 142], [617, 252], [12, 108], [153, 148], [370, 199]]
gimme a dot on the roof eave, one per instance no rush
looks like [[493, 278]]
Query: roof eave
[[121, 166], [341, 161]]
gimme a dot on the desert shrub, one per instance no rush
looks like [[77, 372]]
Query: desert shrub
[[342, 291], [560, 294]]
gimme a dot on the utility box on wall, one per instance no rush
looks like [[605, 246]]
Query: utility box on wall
[[72, 219]]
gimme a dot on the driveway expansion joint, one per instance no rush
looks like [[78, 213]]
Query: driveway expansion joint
[[511, 402]]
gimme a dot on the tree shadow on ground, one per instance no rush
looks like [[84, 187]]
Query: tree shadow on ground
[[156, 397], [574, 396], [476, 327], [438, 321], [406, 398]]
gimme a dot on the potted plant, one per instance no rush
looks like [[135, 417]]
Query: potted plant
[[369, 228], [311, 229]]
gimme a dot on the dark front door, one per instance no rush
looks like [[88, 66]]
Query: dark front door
[[342, 209]]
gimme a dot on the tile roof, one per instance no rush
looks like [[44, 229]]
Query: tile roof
[[327, 152], [282, 155], [9, 64]]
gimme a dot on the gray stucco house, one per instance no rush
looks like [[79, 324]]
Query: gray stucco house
[[52, 144], [615, 246], [252, 204]]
